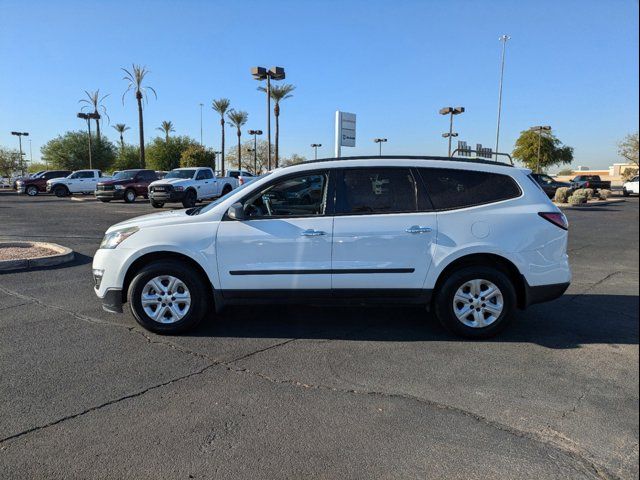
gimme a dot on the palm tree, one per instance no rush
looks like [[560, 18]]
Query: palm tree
[[278, 93], [121, 128], [166, 127], [238, 119], [135, 79], [94, 100], [221, 106]]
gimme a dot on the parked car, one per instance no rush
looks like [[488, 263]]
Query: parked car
[[125, 185], [189, 185], [590, 181], [470, 240], [549, 184], [631, 187], [80, 181], [38, 183], [243, 176]]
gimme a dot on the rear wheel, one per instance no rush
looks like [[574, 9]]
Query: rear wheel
[[129, 196], [32, 190], [226, 189], [168, 297], [157, 204], [105, 200], [190, 199], [476, 302], [61, 191]]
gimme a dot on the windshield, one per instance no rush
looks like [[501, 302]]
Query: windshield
[[125, 175], [206, 208], [180, 174]]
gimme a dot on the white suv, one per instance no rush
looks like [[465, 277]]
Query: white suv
[[470, 240]]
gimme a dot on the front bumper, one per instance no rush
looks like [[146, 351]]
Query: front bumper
[[164, 197], [112, 301], [109, 194]]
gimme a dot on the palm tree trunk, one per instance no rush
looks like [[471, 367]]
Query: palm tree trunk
[[121, 142], [222, 148], [141, 127], [97, 129], [276, 112], [239, 150]]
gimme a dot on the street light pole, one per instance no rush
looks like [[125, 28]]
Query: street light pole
[[88, 117], [20, 135], [540, 129], [315, 147], [275, 73], [379, 141], [215, 156], [255, 149], [451, 111], [201, 105], [503, 39]]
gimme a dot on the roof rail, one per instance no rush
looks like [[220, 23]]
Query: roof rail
[[412, 157]]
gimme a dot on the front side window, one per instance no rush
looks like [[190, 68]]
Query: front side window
[[450, 188], [301, 196], [376, 191], [185, 174]]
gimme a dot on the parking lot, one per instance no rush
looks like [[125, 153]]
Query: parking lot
[[301, 391]]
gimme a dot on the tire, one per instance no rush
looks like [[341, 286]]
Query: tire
[[625, 192], [105, 200], [32, 190], [129, 196], [157, 204], [480, 276], [193, 289], [190, 199], [61, 191], [226, 189]]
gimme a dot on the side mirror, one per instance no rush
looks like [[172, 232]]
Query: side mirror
[[236, 212]]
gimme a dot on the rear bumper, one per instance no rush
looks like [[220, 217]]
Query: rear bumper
[[543, 293]]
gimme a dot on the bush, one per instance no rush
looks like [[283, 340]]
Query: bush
[[604, 194], [580, 191], [127, 159], [567, 172], [589, 192], [71, 152], [562, 195], [165, 155], [198, 156], [577, 199]]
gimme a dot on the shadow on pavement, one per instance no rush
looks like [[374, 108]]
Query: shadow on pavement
[[79, 259], [566, 323]]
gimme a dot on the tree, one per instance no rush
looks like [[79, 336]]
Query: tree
[[565, 172], [262, 158], [128, 158], [167, 128], [278, 93], [121, 128], [8, 161], [238, 119], [294, 159], [198, 156], [552, 151], [135, 79], [628, 148], [71, 152], [37, 167], [221, 106], [94, 101], [165, 155]]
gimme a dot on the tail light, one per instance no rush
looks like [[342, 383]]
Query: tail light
[[586, 185], [240, 181], [557, 218]]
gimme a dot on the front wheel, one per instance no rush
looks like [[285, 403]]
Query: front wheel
[[475, 302], [190, 199], [625, 192], [168, 297], [32, 191], [157, 204], [105, 200], [60, 191], [129, 196]]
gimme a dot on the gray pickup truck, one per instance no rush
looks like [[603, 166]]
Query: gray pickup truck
[[590, 181]]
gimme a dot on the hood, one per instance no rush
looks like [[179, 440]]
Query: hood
[[117, 182], [57, 179], [170, 181], [171, 217]]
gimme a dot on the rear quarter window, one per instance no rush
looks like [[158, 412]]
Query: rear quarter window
[[451, 188]]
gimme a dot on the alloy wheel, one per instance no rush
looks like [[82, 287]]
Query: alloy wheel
[[478, 303], [166, 299]]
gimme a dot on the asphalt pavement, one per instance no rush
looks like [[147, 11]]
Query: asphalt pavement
[[310, 391]]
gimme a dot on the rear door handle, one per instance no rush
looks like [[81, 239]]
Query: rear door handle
[[418, 229], [312, 233]]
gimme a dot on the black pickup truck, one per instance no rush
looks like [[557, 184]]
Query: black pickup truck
[[590, 181]]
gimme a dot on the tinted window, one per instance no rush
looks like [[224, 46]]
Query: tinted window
[[449, 188], [297, 196], [207, 174], [377, 190]]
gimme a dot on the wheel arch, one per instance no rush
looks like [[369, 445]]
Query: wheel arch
[[487, 260], [151, 257]]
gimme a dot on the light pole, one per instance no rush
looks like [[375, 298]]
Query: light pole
[[451, 111], [540, 129], [379, 141], [88, 117], [274, 73], [201, 105], [315, 147], [20, 135], [503, 39], [255, 133], [215, 156]]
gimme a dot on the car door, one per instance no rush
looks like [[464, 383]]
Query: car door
[[282, 244], [383, 231]]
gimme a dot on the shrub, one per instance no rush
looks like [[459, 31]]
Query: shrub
[[580, 191], [71, 152], [562, 195], [198, 156], [128, 158], [604, 194], [589, 192], [163, 154], [578, 199], [566, 172]]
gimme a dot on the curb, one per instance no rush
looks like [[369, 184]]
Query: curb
[[64, 255], [599, 203]]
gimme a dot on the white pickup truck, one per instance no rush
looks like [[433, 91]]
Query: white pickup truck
[[80, 181], [189, 185]]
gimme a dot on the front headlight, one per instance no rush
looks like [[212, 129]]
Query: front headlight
[[118, 187], [113, 239], [178, 188]]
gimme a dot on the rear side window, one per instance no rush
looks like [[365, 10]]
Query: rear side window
[[450, 188], [377, 190]]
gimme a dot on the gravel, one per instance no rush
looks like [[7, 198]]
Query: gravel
[[23, 253]]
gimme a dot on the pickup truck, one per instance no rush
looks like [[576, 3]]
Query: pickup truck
[[37, 183], [590, 181], [80, 181], [125, 185], [189, 185]]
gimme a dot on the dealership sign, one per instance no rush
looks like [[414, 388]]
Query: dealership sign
[[345, 131]]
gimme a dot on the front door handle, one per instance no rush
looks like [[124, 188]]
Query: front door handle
[[312, 233], [418, 229]]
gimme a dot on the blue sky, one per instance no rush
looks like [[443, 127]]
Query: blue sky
[[570, 64]]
